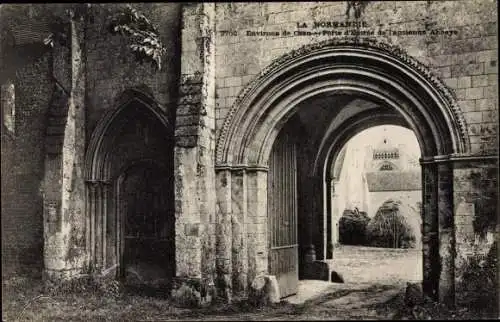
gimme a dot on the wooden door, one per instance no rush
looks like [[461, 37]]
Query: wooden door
[[282, 214]]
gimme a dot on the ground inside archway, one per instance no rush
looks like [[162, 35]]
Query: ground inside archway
[[378, 265], [25, 299], [371, 274]]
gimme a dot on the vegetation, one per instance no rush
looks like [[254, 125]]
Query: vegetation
[[389, 228], [143, 36], [28, 300], [352, 227], [479, 282]]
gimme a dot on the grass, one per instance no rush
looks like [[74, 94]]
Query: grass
[[29, 300], [395, 308]]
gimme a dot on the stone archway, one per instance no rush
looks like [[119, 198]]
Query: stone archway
[[369, 70], [129, 179]]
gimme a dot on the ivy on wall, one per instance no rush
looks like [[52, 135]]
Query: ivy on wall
[[143, 36], [486, 203]]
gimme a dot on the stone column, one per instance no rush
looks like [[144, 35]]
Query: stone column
[[318, 226], [446, 234], [258, 252], [64, 188], [224, 235], [97, 214], [335, 213], [329, 219], [239, 206], [306, 194], [194, 157], [430, 242]]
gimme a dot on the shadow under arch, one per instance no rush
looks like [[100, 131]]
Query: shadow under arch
[[94, 168], [134, 137]]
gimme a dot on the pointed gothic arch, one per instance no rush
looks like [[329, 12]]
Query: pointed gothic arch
[[134, 136], [96, 150]]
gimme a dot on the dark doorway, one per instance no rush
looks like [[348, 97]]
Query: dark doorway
[[148, 249]]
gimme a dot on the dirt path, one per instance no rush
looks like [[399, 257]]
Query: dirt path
[[340, 301], [374, 286], [352, 301], [378, 265], [372, 278]]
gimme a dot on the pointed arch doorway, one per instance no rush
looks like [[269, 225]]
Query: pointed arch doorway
[[130, 213]]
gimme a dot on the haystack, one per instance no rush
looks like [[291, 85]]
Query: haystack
[[389, 227]]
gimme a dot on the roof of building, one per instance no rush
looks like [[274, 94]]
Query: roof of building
[[393, 180]]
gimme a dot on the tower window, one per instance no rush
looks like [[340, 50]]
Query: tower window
[[386, 167]]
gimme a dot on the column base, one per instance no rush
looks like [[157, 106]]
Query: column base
[[53, 275], [322, 270], [264, 290], [192, 292]]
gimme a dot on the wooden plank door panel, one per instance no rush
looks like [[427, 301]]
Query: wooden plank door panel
[[282, 214]]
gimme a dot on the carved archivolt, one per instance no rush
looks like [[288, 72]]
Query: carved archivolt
[[370, 45]]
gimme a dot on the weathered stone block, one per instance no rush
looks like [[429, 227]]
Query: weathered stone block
[[474, 117], [464, 82], [490, 91], [336, 277], [474, 93], [479, 81], [264, 290], [467, 69], [186, 295], [192, 229]]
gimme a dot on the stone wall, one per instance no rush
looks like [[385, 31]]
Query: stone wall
[[200, 223], [467, 62], [22, 173], [112, 68], [53, 121], [475, 194]]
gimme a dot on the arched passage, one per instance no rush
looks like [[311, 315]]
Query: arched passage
[[375, 165], [339, 72], [129, 176], [328, 156]]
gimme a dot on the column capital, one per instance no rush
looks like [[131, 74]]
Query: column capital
[[242, 167], [98, 183], [456, 157]]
